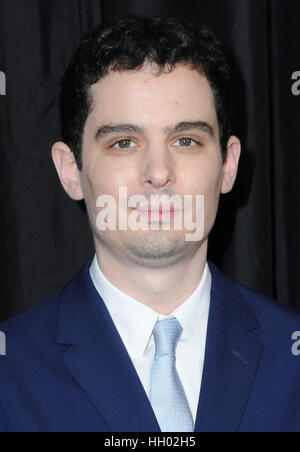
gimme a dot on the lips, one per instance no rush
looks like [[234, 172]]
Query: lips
[[164, 213], [156, 209]]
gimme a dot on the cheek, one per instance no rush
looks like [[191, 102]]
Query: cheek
[[103, 179], [212, 198], [206, 179]]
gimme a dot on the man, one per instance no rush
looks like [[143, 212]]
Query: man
[[149, 336]]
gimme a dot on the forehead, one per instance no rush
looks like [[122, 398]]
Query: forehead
[[155, 99]]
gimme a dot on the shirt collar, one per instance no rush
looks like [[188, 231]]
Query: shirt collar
[[135, 321]]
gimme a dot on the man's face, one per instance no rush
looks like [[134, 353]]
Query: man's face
[[155, 159]]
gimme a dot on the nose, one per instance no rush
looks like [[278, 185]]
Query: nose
[[157, 168]]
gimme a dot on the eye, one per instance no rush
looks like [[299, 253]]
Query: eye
[[123, 144], [185, 142]]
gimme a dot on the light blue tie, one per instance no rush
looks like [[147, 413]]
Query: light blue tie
[[167, 395]]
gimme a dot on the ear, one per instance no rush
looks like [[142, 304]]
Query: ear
[[67, 170], [231, 163]]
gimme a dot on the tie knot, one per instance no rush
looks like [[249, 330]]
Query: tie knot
[[166, 335]]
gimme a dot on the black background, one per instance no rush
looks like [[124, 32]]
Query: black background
[[45, 237]]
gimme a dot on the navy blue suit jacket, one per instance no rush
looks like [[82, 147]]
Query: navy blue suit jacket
[[67, 370]]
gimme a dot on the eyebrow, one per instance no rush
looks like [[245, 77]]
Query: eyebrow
[[118, 128], [191, 125], [109, 129]]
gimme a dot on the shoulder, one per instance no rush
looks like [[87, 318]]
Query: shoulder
[[266, 309], [40, 321], [278, 324], [279, 329], [269, 311], [32, 325]]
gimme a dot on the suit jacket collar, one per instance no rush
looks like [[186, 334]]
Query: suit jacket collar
[[232, 357], [98, 360], [101, 365]]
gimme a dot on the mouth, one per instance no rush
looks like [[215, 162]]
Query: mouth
[[162, 211]]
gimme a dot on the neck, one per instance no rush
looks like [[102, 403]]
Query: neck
[[162, 288]]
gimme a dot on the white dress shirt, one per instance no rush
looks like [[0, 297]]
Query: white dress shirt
[[135, 322]]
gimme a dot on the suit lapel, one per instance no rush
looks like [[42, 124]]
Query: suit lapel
[[232, 356], [99, 361]]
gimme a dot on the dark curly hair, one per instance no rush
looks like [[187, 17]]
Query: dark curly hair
[[126, 44]]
